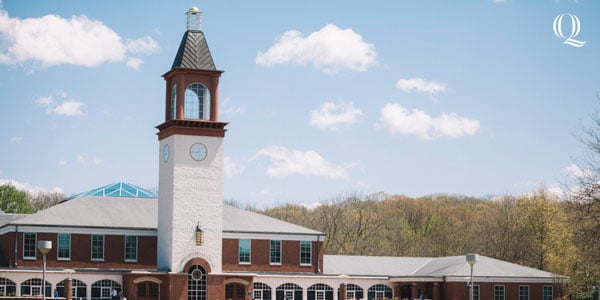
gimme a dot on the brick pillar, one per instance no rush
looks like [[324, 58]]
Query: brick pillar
[[69, 288], [436, 291], [414, 291], [343, 294], [396, 290]]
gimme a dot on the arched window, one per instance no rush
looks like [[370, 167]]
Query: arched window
[[319, 291], [380, 291], [174, 102], [79, 289], [353, 292], [33, 287], [262, 291], [102, 289], [197, 283], [288, 291], [7, 287], [197, 102]]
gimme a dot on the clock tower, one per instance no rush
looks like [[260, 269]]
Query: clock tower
[[190, 205]]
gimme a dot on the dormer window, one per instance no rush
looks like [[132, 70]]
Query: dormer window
[[197, 102]]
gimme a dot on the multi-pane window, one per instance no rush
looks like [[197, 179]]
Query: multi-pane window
[[102, 289], [131, 248], [523, 292], [64, 246], [548, 292], [319, 291], [379, 291], [275, 253], [354, 291], [7, 287], [262, 291], [244, 251], [305, 252], [33, 287], [78, 289], [174, 102], [97, 247], [29, 240], [476, 292], [197, 283], [288, 291], [498, 292], [196, 102]]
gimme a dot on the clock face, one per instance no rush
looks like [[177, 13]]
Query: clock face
[[198, 151], [166, 152]]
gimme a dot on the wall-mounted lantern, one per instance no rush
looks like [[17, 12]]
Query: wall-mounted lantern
[[199, 235]]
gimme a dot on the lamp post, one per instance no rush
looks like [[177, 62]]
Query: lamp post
[[471, 259], [44, 247]]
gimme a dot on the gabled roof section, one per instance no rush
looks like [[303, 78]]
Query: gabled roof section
[[119, 189], [193, 53], [238, 220], [451, 266], [97, 212]]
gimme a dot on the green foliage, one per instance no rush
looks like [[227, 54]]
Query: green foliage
[[14, 201]]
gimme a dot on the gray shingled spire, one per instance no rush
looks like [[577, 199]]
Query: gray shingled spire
[[193, 51]]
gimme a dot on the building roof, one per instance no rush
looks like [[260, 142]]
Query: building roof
[[142, 213], [119, 189], [193, 53], [451, 266], [8, 217]]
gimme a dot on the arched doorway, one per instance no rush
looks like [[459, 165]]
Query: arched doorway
[[235, 291], [147, 290]]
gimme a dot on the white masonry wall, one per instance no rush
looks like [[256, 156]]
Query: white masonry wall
[[190, 193]]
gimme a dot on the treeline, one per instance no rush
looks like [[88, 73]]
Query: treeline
[[13, 200], [534, 230]]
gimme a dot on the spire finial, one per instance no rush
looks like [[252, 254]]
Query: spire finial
[[193, 19]]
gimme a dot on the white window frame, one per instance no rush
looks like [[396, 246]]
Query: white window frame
[[503, 292], [476, 295], [125, 248], [528, 294], [249, 252], [309, 253], [92, 247], [34, 246], [544, 291], [58, 247], [271, 251]]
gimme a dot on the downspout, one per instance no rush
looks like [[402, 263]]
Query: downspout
[[318, 254], [16, 245]]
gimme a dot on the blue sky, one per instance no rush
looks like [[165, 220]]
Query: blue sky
[[323, 98]]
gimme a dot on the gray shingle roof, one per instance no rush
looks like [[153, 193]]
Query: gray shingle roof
[[8, 217], [425, 267], [142, 213], [193, 52]]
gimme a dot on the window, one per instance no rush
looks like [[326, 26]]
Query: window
[[262, 291], [197, 283], [548, 292], [131, 248], [288, 291], [147, 290], [29, 241], [101, 290], [476, 292], [244, 251], [64, 246], [7, 287], [174, 102], [319, 291], [523, 292], [498, 292], [275, 253], [379, 291], [97, 247], [33, 287], [353, 291], [79, 289], [197, 100], [305, 252]]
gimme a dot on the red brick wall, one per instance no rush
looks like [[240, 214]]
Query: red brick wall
[[259, 257], [114, 253], [7, 249], [459, 290]]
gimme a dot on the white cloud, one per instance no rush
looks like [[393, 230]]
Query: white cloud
[[334, 116], [82, 158], [285, 162], [62, 163], [146, 45], [330, 50], [420, 85], [230, 168], [134, 62], [28, 187], [399, 120], [575, 171], [227, 108], [67, 108], [16, 139], [52, 40], [45, 101]]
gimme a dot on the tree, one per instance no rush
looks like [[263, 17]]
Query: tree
[[14, 201]]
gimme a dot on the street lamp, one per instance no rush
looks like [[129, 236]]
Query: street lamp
[[44, 247], [471, 259]]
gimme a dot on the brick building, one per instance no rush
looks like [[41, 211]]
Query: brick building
[[184, 243]]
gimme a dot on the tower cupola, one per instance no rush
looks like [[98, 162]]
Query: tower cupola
[[194, 21]]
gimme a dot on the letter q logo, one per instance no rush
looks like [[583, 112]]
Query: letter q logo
[[575, 28]]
